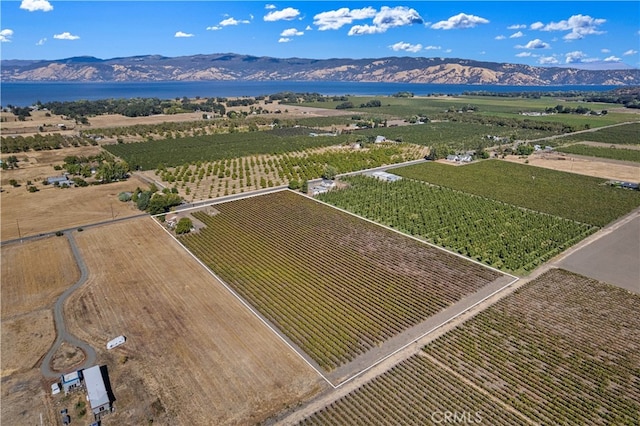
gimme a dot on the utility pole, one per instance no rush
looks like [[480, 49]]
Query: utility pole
[[18, 225]]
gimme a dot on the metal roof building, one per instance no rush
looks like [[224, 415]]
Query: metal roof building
[[96, 390]]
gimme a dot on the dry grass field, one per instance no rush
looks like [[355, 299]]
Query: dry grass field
[[194, 354], [606, 169], [52, 209], [34, 274]]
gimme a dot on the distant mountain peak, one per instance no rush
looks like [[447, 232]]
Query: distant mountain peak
[[232, 66]]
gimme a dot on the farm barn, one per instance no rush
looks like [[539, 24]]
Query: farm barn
[[386, 177], [96, 391]]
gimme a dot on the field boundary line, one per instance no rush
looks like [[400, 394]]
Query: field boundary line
[[477, 388], [406, 235], [245, 304], [442, 324]]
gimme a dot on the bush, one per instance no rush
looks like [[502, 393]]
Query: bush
[[184, 226], [59, 233]]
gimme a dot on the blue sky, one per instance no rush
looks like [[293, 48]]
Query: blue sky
[[528, 32]]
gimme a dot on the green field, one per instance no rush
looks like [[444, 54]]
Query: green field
[[561, 350], [498, 234], [336, 285], [627, 134], [434, 107], [603, 152], [174, 152], [414, 392], [576, 197]]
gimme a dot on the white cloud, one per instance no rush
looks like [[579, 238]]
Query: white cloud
[[612, 59], [284, 40], [214, 28], [432, 48], [574, 57], [232, 21], [181, 34], [523, 54], [396, 17], [536, 25], [66, 36], [461, 20], [630, 52], [35, 5], [534, 44], [5, 35], [365, 29], [290, 32], [335, 19], [500, 37], [388, 17], [516, 27], [41, 42], [548, 60], [517, 35], [308, 28], [578, 25], [406, 47], [270, 6], [605, 50], [286, 14]]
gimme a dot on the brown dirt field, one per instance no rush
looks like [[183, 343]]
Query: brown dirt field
[[25, 398], [34, 273], [25, 339], [66, 357], [193, 353], [583, 166], [52, 208], [31, 125]]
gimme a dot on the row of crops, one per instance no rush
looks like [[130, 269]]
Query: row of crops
[[415, 392], [603, 152], [551, 353], [492, 232], [173, 152], [580, 198], [626, 134], [336, 285], [208, 179], [563, 350]]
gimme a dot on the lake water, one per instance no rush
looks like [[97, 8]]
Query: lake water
[[27, 93]]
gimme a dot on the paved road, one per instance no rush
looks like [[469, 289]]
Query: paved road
[[69, 230], [62, 335], [613, 258]]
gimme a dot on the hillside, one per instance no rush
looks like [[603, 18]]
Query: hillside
[[230, 67]]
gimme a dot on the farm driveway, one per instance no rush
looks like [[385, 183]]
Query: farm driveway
[[62, 335], [613, 258]]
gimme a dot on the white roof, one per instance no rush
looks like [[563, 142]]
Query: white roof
[[96, 390], [70, 377], [55, 389]]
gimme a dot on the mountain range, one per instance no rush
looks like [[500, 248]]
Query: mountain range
[[235, 67]]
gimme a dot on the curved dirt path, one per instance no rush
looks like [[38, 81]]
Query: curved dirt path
[[62, 335]]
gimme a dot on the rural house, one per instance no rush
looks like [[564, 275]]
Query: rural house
[[71, 381], [60, 180]]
